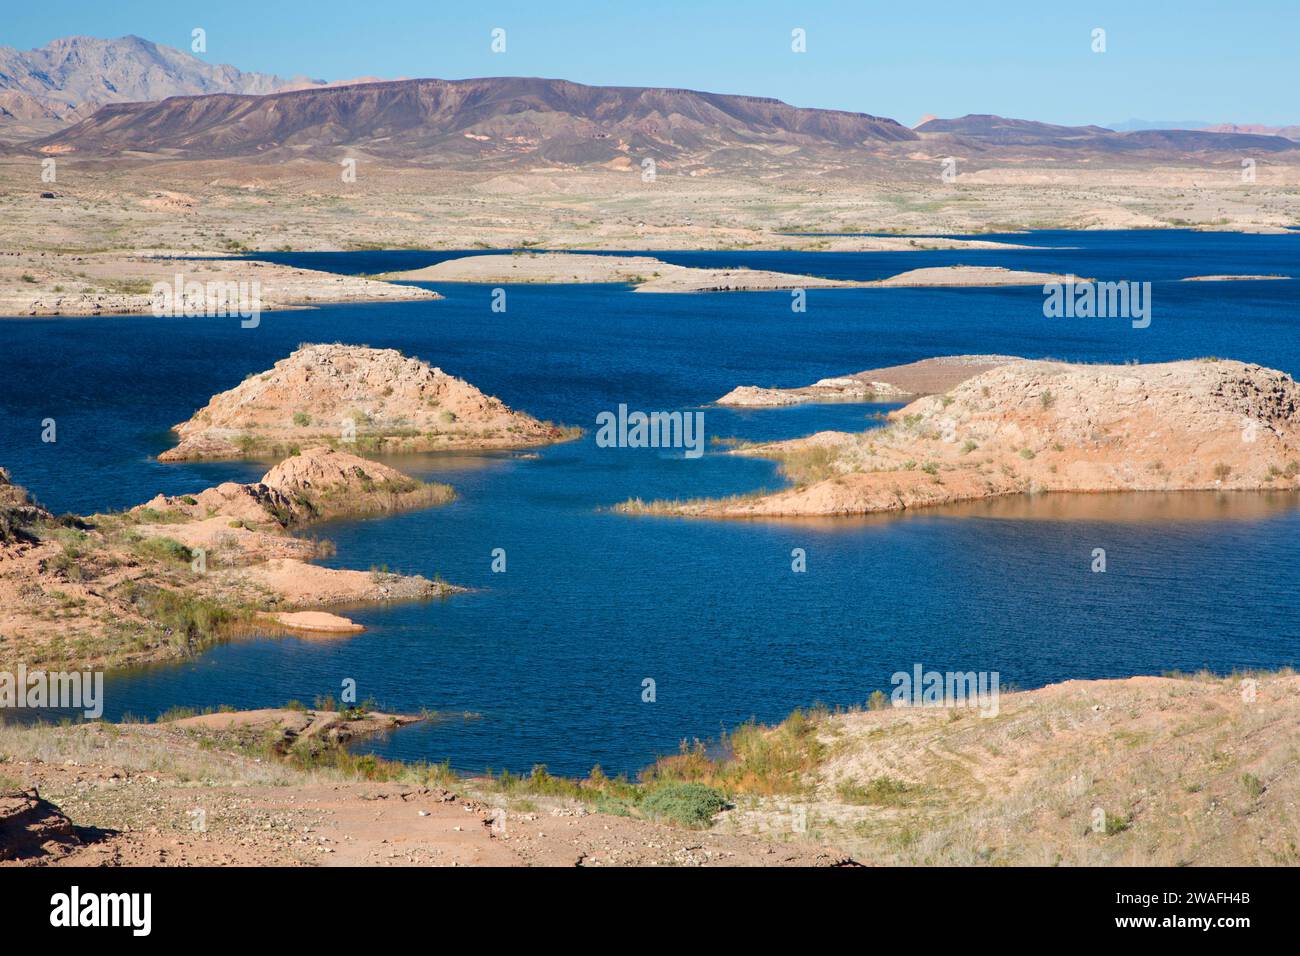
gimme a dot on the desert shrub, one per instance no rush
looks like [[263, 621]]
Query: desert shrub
[[688, 804], [808, 465], [164, 549], [1254, 786], [882, 791], [195, 620]]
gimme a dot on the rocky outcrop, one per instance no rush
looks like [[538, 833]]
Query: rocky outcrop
[[1033, 426], [376, 400], [17, 510], [296, 726], [34, 829], [314, 485]]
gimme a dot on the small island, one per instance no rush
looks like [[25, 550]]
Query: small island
[[649, 274], [369, 400]]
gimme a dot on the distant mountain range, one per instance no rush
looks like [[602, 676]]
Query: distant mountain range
[[71, 77], [1290, 132], [495, 122], [130, 95], [1133, 125], [979, 131]]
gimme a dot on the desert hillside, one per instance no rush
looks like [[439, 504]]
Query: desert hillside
[[1147, 771], [494, 122]]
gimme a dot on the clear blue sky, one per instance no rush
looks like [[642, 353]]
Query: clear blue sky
[[1217, 61]]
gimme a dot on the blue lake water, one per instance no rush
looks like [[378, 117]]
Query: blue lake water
[[551, 654]]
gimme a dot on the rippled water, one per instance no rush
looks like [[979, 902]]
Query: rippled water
[[551, 655]]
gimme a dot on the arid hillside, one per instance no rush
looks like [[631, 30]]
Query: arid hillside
[[69, 78], [1148, 771], [494, 122]]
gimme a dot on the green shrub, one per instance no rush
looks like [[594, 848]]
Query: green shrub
[[689, 804], [165, 549]]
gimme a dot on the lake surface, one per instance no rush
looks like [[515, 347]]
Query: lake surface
[[551, 654]]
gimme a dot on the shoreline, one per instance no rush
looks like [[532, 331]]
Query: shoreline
[[853, 772]]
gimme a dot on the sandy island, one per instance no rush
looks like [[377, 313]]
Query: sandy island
[[874, 385], [54, 283], [653, 275], [1230, 278]]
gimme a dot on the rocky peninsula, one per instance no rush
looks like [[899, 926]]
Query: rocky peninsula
[[166, 578], [1038, 426]]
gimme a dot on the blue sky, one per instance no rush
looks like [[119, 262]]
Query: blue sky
[[1216, 61]]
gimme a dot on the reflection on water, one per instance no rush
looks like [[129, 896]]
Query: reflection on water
[[1132, 507], [1138, 507]]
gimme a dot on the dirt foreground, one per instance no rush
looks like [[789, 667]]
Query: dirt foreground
[[134, 795], [1189, 770]]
